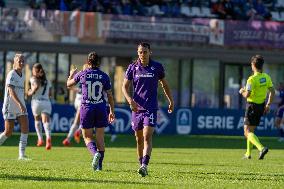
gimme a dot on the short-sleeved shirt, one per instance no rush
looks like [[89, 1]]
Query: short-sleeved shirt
[[15, 80], [94, 82], [258, 84], [43, 91], [145, 83]]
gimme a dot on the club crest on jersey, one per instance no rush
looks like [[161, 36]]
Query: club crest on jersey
[[152, 68]]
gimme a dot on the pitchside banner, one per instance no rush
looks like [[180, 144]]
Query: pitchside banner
[[182, 121]]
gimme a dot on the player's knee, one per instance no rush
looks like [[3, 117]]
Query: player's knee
[[8, 132], [139, 141], [147, 139]]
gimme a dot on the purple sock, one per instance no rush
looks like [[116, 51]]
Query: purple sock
[[92, 147], [140, 160], [145, 160], [101, 159]]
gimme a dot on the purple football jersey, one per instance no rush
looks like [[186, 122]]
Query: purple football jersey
[[93, 112], [145, 83], [94, 83]]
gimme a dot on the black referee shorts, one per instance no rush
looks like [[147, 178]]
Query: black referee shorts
[[253, 113]]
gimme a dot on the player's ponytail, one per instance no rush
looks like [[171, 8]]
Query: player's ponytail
[[93, 59], [38, 67]]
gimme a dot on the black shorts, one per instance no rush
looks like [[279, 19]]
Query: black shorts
[[253, 113]]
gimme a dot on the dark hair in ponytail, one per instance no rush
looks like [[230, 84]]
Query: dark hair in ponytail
[[93, 59], [42, 78]]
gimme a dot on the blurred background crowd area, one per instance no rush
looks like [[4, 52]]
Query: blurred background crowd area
[[223, 9]]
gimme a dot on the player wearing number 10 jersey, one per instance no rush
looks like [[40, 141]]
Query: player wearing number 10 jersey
[[93, 112]]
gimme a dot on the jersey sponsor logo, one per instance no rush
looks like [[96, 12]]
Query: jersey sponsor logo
[[145, 75], [262, 80]]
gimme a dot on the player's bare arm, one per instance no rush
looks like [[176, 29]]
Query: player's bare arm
[[34, 87], [245, 93], [271, 95], [111, 116], [15, 98], [70, 81], [168, 94], [125, 89]]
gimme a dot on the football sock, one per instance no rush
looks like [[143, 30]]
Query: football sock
[[255, 141], [249, 148], [72, 130], [145, 160], [38, 129], [3, 137], [47, 130], [92, 147], [23, 144], [101, 159], [140, 160]]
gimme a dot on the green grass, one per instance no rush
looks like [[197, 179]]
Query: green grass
[[176, 162]]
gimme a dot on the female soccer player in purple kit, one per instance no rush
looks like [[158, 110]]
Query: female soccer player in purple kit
[[145, 74], [93, 112]]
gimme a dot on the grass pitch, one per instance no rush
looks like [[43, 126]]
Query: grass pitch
[[176, 162]]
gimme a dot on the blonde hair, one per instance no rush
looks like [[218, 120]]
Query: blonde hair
[[17, 57]]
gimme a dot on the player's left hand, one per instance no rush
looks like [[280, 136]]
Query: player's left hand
[[266, 109], [171, 108]]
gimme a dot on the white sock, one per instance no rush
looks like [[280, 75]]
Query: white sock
[[47, 129], [38, 129], [22, 144], [72, 130], [3, 137]]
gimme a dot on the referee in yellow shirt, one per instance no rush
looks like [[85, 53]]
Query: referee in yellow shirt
[[257, 87]]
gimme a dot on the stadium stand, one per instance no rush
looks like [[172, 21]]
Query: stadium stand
[[224, 9]]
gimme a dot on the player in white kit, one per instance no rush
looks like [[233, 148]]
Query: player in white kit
[[14, 105], [41, 105]]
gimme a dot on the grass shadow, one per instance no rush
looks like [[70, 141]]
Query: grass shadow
[[163, 141]]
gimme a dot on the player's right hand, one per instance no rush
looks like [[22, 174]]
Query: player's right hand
[[241, 90], [73, 71], [171, 108], [23, 109], [111, 117], [133, 106]]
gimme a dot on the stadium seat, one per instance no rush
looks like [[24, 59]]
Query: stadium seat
[[275, 16], [206, 12], [196, 12], [185, 11]]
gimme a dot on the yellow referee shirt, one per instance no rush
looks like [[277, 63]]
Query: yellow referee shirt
[[258, 84]]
